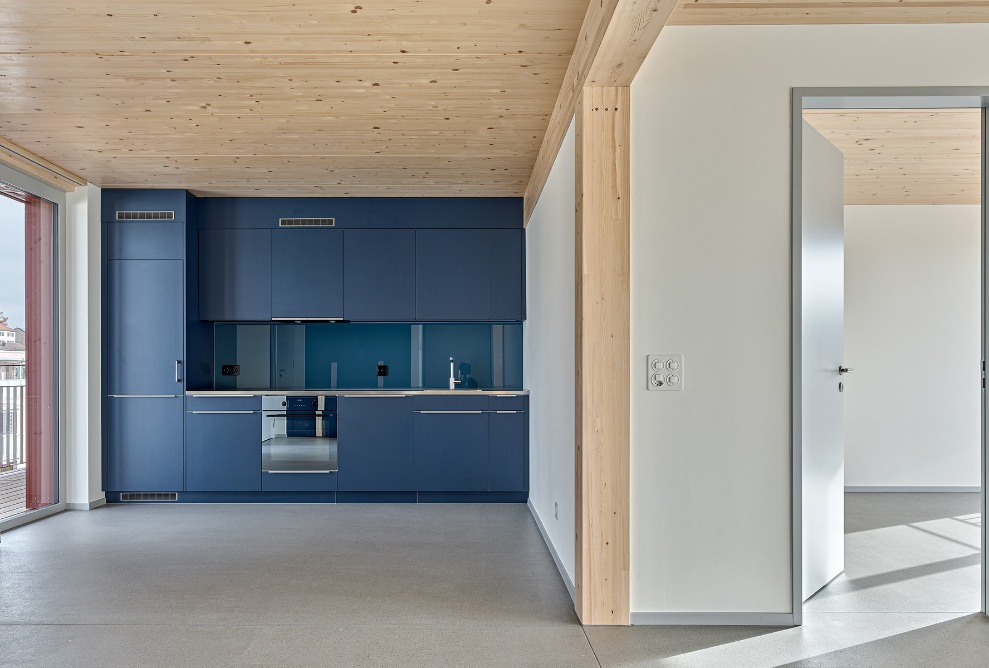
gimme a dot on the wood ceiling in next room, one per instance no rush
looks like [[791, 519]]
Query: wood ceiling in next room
[[907, 156], [269, 97]]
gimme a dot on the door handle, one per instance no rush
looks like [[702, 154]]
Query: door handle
[[178, 371], [844, 369]]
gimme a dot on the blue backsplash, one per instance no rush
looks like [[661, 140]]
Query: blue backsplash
[[346, 355]]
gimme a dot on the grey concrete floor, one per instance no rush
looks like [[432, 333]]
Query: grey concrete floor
[[428, 585]]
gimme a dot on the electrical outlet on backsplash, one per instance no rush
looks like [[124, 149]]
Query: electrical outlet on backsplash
[[350, 355]]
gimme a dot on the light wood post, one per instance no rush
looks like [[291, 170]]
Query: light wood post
[[602, 356]]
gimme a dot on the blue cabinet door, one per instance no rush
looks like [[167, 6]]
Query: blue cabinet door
[[507, 451], [451, 275], [506, 275], [469, 275], [145, 320], [143, 447], [379, 275], [235, 275], [374, 444], [451, 451], [306, 273], [223, 452], [145, 241]]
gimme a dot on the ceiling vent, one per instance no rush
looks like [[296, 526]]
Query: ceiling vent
[[306, 222], [149, 496], [145, 215]]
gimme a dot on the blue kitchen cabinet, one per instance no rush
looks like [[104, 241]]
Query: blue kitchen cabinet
[[143, 447], [145, 240], [235, 275], [507, 452], [379, 275], [451, 450], [151, 203], [145, 327], [374, 437], [306, 273], [469, 275], [223, 451]]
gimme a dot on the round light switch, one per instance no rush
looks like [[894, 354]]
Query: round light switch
[[673, 365], [673, 379]]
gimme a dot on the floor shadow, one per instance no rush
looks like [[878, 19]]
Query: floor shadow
[[865, 511], [845, 586], [644, 645], [959, 643]]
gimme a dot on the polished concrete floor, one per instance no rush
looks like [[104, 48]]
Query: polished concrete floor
[[436, 585]]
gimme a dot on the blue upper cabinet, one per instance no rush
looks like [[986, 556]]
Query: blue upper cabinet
[[235, 275], [379, 275], [145, 204], [465, 275], [307, 273]]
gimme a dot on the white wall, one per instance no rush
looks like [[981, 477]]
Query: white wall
[[912, 291], [549, 354], [711, 279], [83, 348]]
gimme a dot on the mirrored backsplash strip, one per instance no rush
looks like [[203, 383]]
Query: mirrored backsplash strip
[[293, 356]]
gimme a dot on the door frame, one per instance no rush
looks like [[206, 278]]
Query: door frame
[[975, 97], [33, 186]]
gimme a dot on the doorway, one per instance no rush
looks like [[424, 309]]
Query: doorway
[[878, 523]]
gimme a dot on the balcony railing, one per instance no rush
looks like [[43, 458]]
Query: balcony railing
[[12, 404]]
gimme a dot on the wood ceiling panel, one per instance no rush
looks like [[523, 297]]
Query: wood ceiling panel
[[444, 93], [775, 12], [906, 156]]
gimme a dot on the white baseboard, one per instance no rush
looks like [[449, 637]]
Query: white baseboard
[[712, 619], [552, 550], [859, 489], [86, 506]]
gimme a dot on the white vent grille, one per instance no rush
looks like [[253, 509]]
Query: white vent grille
[[149, 496], [306, 222], [145, 215]]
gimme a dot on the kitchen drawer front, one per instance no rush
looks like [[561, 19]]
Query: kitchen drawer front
[[200, 402], [507, 402], [298, 482], [450, 402]]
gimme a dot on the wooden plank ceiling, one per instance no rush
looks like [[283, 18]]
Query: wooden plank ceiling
[[775, 12], [906, 156], [226, 97], [305, 97]]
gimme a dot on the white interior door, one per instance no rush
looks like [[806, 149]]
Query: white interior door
[[823, 285]]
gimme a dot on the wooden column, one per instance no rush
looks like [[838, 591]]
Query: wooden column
[[602, 356]]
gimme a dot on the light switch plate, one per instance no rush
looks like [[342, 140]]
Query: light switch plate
[[664, 373]]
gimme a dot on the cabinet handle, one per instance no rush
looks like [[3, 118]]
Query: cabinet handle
[[450, 412], [307, 319], [223, 412], [144, 396], [297, 472], [178, 371], [507, 412], [219, 394], [375, 396], [506, 396]]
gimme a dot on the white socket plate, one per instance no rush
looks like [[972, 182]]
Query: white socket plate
[[664, 373]]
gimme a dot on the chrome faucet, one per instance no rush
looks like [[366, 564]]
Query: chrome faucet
[[453, 381]]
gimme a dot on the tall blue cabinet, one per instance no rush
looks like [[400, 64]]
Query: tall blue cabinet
[[145, 323]]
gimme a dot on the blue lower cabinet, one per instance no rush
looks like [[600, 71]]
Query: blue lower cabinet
[[374, 437], [298, 482], [508, 455], [223, 451], [451, 451], [144, 444]]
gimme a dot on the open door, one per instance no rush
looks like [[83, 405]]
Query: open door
[[823, 324]]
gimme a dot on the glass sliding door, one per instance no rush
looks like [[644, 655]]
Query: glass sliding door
[[28, 354]]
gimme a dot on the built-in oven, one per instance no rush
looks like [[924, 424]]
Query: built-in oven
[[298, 434]]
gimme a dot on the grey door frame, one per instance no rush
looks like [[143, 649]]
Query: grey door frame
[[976, 97]]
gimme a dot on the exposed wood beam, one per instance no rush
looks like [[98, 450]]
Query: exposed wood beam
[[602, 326], [20, 158], [615, 38]]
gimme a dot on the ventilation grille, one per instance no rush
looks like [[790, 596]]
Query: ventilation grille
[[306, 222], [149, 496], [145, 215]]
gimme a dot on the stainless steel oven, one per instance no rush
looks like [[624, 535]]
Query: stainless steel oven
[[298, 434]]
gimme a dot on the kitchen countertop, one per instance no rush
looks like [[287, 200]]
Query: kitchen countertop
[[339, 392]]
